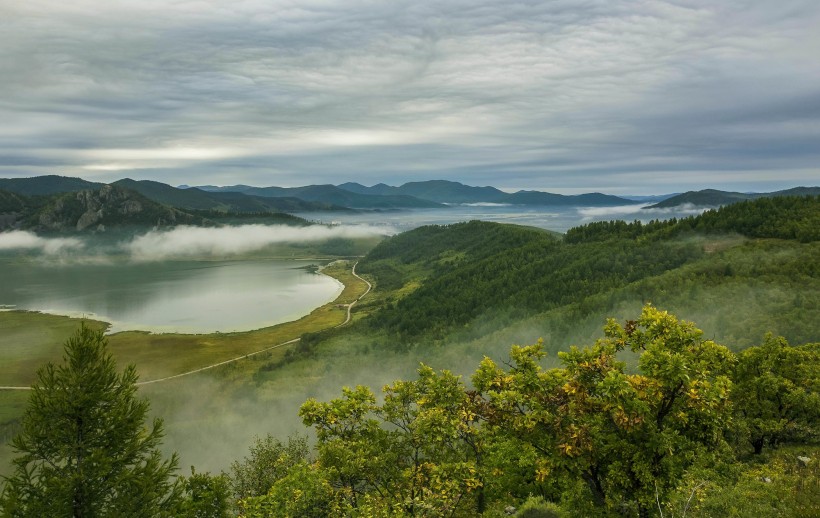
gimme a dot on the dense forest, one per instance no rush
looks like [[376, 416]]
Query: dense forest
[[475, 269]]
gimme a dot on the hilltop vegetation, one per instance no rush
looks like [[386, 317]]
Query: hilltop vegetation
[[690, 427], [716, 198], [454, 274], [592, 436]]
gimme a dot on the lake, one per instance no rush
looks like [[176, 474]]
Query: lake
[[169, 296]]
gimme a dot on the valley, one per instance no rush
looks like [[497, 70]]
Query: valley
[[449, 296]]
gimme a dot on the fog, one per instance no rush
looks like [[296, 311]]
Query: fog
[[181, 242], [641, 211], [24, 240]]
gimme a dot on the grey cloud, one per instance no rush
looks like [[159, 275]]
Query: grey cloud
[[526, 94]]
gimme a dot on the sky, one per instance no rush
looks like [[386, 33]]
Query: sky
[[566, 96]]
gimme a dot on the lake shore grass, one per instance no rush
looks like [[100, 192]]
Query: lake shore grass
[[31, 339]]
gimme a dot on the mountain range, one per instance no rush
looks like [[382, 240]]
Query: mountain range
[[41, 202], [330, 194], [443, 191]]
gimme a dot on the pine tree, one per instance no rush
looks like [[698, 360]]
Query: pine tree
[[84, 449]]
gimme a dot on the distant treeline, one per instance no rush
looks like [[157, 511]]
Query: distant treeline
[[786, 217]]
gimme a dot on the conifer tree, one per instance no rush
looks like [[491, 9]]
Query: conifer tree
[[84, 449]]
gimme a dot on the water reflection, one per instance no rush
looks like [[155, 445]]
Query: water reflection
[[189, 296]]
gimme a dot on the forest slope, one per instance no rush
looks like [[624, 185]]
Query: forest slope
[[459, 273]]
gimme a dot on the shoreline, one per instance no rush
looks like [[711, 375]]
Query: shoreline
[[166, 355], [114, 326]]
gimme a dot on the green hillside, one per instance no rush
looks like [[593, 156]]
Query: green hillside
[[11, 202], [716, 198], [449, 276]]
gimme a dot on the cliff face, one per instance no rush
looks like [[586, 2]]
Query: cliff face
[[106, 207]]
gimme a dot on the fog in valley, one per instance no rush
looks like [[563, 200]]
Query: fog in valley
[[212, 417]]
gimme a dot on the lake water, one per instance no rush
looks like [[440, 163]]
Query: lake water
[[180, 296]]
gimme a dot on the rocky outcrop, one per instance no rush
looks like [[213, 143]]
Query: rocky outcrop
[[108, 207]]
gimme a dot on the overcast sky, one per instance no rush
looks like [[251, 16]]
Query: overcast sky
[[567, 96]]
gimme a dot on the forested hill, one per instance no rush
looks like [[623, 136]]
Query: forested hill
[[785, 217], [450, 276], [716, 198]]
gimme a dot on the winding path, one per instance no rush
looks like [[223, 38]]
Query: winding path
[[350, 306], [207, 367]]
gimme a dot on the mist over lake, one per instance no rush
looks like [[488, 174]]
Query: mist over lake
[[555, 218], [169, 296], [162, 283]]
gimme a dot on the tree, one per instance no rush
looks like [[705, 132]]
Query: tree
[[269, 461], [777, 392], [419, 453], [84, 449], [205, 496], [628, 437]]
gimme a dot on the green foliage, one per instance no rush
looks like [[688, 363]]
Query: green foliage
[[83, 449], [623, 434], [537, 507], [772, 485], [783, 217], [777, 392], [10, 202], [303, 493], [205, 496], [419, 453], [269, 461], [599, 436]]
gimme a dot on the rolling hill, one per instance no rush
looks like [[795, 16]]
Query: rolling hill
[[105, 208], [452, 275], [111, 207], [716, 198]]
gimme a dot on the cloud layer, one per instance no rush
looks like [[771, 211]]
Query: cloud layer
[[181, 242], [568, 95], [186, 242], [23, 240]]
